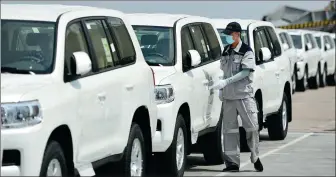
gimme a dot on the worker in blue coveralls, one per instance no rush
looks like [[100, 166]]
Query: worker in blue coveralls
[[236, 93]]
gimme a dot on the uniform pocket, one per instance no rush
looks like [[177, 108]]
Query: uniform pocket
[[251, 105], [235, 67]]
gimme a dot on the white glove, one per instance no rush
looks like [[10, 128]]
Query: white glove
[[219, 85]]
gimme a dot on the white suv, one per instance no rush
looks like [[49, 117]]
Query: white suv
[[184, 52], [309, 59], [326, 44], [290, 51], [272, 77], [76, 92]]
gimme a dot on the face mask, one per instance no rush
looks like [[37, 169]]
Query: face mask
[[229, 39]]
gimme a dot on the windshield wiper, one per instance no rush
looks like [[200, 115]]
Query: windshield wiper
[[5, 69]]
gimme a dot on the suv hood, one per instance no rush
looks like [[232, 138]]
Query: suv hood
[[14, 86], [162, 72]]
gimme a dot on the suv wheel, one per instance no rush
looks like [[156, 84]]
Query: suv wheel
[[323, 76], [134, 159], [175, 157], [54, 163], [214, 155], [331, 79], [277, 125], [302, 85], [314, 82]]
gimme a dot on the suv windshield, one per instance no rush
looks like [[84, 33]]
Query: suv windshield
[[318, 40], [157, 44], [27, 46], [297, 40], [243, 36]]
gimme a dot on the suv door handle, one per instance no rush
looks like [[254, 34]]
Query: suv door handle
[[129, 87], [277, 74], [282, 69], [101, 96]]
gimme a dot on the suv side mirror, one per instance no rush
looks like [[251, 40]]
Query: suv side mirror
[[195, 57], [327, 47], [308, 46], [82, 63], [285, 46], [265, 54]]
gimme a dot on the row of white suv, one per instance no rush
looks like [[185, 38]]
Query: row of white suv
[[83, 86], [76, 92], [312, 56]]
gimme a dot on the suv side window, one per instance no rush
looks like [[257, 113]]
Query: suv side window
[[274, 42], [213, 41], [288, 38], [74, 42], [199, 42], [100, 44], [328, 40], [123, 41], [332, 43], [187, 44], [312, 40], [307, 40], [283, 38], [260, 41]]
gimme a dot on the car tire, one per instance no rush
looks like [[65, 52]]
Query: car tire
[[323, 77], [135, 139], [331, 79], [215, 154], [277, 125], [170, 165], [54, 157], [314, 82], [302, 84]]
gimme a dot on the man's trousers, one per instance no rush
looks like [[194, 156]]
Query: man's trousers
[[247, 109]]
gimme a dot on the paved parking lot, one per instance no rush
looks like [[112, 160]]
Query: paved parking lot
[[309, 148]]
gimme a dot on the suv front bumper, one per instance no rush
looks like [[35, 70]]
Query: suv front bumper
[[164, 134], [22, 151]]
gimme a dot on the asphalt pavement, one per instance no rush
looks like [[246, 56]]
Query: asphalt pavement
[[309, 148]]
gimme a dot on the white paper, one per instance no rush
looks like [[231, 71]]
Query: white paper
[[35, 30], [112, 47], [107, 50]]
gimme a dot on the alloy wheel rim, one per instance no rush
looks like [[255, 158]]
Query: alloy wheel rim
[[305, 80], [284, 115], [136, 158], [324, 77], [54, 168], [180, 149]]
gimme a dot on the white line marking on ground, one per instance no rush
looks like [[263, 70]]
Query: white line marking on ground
[[271, 152]]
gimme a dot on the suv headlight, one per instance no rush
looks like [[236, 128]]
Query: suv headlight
[[21, 114], [164, 94]]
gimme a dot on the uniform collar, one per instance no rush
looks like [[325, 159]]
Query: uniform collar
[[238, 46]]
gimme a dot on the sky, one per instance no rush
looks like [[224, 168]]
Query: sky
[[212, 9]]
